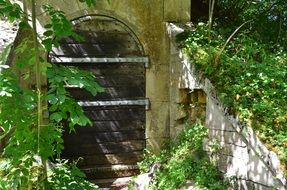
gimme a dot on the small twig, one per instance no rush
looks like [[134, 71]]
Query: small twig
[[5, 137], [216, 60], [280, 28], [38, 82], [211, 9]]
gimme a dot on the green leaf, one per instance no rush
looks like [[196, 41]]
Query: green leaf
[[48, 33], [4, 54], [51, 98], [53, 107], [61, 98], [24, 25], [57, 116], [48, 26], [48, 44], [74, 119], [89, 2], [44, 66]]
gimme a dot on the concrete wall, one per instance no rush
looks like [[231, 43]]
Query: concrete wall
[[147, 19], [233, 147], [186, 101], [177, 10], [240, 153]]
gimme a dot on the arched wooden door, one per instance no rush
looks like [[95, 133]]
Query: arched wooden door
[[114, 144]]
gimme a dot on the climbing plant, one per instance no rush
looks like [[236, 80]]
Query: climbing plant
[[244, 54], [29, 138]]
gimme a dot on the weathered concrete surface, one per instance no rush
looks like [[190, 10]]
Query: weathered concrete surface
[[242, 154], [177, 11], [186, 102]]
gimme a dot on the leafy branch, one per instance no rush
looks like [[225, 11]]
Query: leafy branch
[[31, 140]]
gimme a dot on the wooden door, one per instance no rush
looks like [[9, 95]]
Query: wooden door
[[114, 144]]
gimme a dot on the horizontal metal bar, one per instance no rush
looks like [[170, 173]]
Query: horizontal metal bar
[[141, 102], [91, 17], [71, 86], [99, 59]]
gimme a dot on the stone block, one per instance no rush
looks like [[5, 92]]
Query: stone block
[[258, 172], [227, 137], [230, 159], [180, 113], [215, 119], [235, 151], [237, 167], [183, 96], [157, 124], [154, 144], [201, 97], [223, 161], [254, 141], [197, 113], [187, 79], [175, 130], [175, 65], [157, 83], [273, 161], [239, 184], [257, 186], [194, 97]]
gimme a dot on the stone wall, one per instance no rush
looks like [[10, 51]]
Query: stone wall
[[235, 148], [240, 154], [187, 100]]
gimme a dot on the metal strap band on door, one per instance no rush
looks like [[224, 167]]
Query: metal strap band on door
[[100, 60], [141, 102]]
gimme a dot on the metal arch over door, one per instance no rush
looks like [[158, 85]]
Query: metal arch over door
[[111, 148]]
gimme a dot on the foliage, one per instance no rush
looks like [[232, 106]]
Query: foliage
[[250, 73], [58, 28], [11, 10], [268, 16], [63, 106], [89, 2], [61, 175], [4, 55], [183, 160], [66, 176], [29, 140], [24, 176]]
